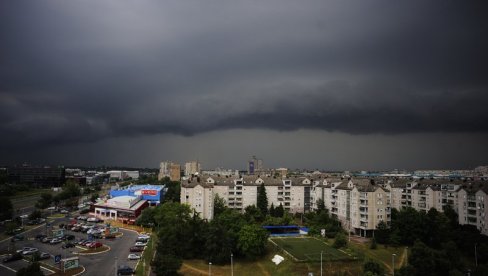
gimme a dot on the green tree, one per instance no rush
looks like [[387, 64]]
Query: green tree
[[6, 208], [320, 205], [252, 214], [272, 211], [373, 267], [252, 241], [382, 233], [340, 240], [45, 200], [262, 200], [35, 214], [173, 190], [146, 219], [279, 211], [34, 269], [94, 197], [166, 264], [219, 205]]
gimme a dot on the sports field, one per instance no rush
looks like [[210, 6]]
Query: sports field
[[309, 248]]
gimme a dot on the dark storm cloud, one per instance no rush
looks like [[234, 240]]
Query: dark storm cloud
[[77, 71]]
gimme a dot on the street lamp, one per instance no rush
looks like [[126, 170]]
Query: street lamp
[[209, 268], [321, 262], [476, 254], [393, 262], [116, 266], [231, 264]]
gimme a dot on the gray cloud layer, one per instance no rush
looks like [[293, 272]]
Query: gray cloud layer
[[83, 71]]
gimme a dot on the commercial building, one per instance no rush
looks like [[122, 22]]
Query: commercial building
[[123, 175], [125, 209], [41, 177], [154, 194]]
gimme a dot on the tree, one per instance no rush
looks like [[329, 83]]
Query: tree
[[279, 211], [6, 208], [340, 240], [94, 197], [252, 214], [45, 200], [272, 210], [382, 233], [35, 214], [373, 243], [34, 269], [146, 219], [373, 267], [320, 205], [252, 241], [262, 200], [166, 264], [173, 190], [219, 205]]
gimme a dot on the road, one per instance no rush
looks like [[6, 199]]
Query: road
[[99, 264]]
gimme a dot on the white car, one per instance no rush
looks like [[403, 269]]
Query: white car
[[133, 257], [23, 249], [30, 251], [55, 241], [144, 237], [140, 244], [92, 220]]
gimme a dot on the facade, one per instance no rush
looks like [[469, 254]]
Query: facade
[[122, 208], [121, 175], [192, 167], [255, 166], [154, 194], [169, 169], [360, 204], [37, 176]]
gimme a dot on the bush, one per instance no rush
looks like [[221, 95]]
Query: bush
[[340, 241], [373, 244]]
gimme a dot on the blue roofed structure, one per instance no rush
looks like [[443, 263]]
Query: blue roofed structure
[[154, 194]]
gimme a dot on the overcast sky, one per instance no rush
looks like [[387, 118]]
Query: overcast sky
[[302, 84]]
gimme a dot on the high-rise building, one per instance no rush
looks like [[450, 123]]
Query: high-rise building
[[169, 169], [175, 172], [192, 167], [254, 166], [37, 176]]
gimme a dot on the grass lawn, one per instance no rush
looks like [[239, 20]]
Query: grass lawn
[[309, 249], [382, 254], [30, 193], [264, 266]]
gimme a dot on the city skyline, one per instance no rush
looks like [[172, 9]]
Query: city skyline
[[327, 85]]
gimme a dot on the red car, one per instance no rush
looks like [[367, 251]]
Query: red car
[[136, 249], [95, 245]]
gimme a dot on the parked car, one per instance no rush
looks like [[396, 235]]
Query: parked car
[[136, 249], [64, 211], [30, 251], [125, 270], [80, 242], [17, 238], [92, 219], [44, 256], [23, 249], [12, 257], [134, 256], [81, 218], [69, 237], [47, 240], [39, 237], [110, 236], [68, 245], [140, 244], [55, 241], [95, 245]]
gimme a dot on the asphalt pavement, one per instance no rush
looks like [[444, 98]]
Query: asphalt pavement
[[97, 264]]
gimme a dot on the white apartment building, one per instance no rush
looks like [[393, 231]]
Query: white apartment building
[[360, 204]]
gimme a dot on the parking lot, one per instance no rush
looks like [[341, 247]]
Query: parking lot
[[103, 263]]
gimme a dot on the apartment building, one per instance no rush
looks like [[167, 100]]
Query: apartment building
[[169, 169], [192, 167]]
